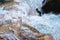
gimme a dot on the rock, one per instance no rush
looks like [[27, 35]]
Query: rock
[[38, 11], [3, 1], [47, 37], [51, 6]]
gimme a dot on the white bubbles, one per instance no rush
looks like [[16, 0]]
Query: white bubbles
[[48, 23]]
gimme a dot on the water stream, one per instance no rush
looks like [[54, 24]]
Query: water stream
[[48, 23]]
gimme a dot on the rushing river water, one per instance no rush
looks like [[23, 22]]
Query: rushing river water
[[48, 23]]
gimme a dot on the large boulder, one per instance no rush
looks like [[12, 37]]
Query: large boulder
[[51, 6]]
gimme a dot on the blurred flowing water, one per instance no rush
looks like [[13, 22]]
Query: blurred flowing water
[[48, 23]]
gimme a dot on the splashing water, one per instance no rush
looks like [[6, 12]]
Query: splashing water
[[48, 23]]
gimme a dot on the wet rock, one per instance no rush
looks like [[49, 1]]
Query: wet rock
[[51, 6], [38, 11], [3, 1], [47, 37]]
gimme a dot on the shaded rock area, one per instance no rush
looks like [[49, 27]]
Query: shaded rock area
[[5, 1], [51, 6]]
